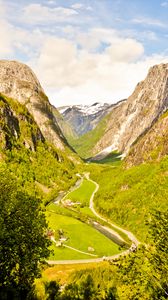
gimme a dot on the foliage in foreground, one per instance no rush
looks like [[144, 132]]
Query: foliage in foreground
[[23, 240]]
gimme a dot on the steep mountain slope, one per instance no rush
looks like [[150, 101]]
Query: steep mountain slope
[[65, 127], [84, 118], [135, 116], [39, 167], [85, 143], [129, 195], [19, 82], [153, 145]]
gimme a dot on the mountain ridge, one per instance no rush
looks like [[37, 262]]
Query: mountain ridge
[[19, 82], [132, 118], [84, 118]]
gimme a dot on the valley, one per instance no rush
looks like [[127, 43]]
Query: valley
[[78, 205], [101, 208]]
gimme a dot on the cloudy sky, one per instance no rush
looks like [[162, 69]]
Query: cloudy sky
[[88, 50]]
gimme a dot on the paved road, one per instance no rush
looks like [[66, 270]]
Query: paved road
[[128, 233], [87, 261]]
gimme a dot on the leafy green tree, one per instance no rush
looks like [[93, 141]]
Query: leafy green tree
[[159, 232], [87, 288], [111, 294], [52, 290], [83, 290], [71, 292], [23, 240]]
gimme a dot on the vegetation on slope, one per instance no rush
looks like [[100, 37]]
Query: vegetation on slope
[[152, 145], [84, 144], [38, 166], [127, 196]]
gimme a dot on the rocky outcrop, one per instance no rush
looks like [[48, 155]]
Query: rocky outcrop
[[136, 116], [65, 127], [19, 82], [153, 145], [17, 126]]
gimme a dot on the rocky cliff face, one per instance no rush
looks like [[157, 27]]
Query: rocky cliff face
[[39, 167], [17, 125], [153, 145], [135, 116], [19, 82], [84, 118]]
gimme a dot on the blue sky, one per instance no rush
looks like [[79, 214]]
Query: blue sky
[[85, 51]]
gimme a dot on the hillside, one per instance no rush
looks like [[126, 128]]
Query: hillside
[[84, 144], [129, 196], [65, 127], [38, 165], [18, 81], [138, 113], [131, 118], [152, 145]]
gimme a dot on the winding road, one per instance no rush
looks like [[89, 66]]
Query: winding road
[[131, 237], [128, 233]]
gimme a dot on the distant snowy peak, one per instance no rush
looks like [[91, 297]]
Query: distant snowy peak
[[84, 118], [92, 109], [85, 109]]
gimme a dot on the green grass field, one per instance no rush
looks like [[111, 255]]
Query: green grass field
[[129, 196], [113, 158], [82, 193], [80, 236]]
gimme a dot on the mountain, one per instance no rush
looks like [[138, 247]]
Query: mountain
[[84, 118], [153, 145], [135, 116], [32, 145], [84, 145], [19, 82], [130, 119], [65, 127]]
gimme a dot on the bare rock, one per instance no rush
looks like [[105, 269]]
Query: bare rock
[[19, 82], [134, 117]]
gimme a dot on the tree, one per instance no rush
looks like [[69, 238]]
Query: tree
[[112, 294], [23, 242], [52, 290], [159, 232], [83, 290]]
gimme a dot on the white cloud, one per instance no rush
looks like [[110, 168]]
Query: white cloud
[[51, 2], [75, 75], [148, 21], [164, 4], [93, 39], [39, 14], [6, 34], [16, 40], [81, 6], [99, 65], [126, 50], [116, 83], [2, 9], [77, 5]]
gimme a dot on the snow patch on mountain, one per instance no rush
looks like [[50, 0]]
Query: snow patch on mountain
[[85, 109]]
